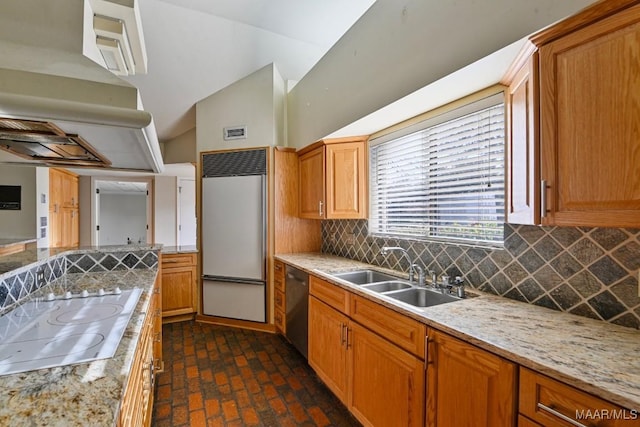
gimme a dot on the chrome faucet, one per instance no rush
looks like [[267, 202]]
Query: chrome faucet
[[412, 264]]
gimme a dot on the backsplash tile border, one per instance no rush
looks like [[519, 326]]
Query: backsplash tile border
[[18, 284], [590, 272]]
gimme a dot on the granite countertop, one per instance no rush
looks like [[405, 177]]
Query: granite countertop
[[17, 241], [75, 395], [188, 249], [591, 355]]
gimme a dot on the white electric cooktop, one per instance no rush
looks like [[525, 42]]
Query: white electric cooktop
[[65, 329]]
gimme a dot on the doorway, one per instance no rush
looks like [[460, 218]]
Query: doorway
[[122, 211]]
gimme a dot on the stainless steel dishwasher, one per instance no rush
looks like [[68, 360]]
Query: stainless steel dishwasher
[[297, 304]]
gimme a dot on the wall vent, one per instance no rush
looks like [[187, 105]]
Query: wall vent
[[235, 132]]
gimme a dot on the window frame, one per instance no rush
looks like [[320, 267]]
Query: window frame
[[468, 105]]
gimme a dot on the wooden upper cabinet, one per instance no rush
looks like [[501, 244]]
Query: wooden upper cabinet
[[333, 179], [590, 107], [522, 145], [312, 181], [468, 386], [346, 180]]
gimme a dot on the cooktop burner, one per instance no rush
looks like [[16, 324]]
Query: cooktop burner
[[63, 331]]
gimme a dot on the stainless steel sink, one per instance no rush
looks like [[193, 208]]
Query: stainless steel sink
[[392, 285], [422, 297], [362, 277]]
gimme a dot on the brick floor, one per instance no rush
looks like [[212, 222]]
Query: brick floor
[[220, 376]]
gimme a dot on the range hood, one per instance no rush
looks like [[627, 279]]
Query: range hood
[[56, 132], [43, 141]]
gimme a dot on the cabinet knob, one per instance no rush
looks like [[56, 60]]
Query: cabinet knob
[[320, 204]]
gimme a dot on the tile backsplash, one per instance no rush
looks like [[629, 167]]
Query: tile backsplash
[[17, 285], [591, 272]]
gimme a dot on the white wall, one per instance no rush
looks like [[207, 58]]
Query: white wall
[[20, 223], [249, 101], [122, 216], [165, 216], [181, 149], [398, 47]]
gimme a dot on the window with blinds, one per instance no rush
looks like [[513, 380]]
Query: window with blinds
[[444, 181]]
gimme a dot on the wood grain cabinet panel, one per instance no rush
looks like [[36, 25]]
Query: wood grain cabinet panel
[[468, 386], [333, 179], [551, 403], [179, 286], [387, 383], [64, 214], [590, 104], [522, 145], [330, 294], [327, 346], [312, 184]]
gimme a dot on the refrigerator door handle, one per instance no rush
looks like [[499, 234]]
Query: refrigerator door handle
[[233, 280], [264, 225]]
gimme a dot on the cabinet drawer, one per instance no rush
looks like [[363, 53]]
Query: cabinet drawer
[[401, 330], [279, 321], [178, 260], [547, 402], [278, 275], [280, 301], [330, 294], [526, 422]]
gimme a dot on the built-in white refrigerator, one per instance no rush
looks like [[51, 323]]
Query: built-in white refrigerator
[[234, 186]]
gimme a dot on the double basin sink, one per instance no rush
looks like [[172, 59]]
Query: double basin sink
[[395, 288]]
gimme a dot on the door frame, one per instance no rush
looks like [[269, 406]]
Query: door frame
[[95, 213]]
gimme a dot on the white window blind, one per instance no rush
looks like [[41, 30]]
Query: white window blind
[[445, 181]]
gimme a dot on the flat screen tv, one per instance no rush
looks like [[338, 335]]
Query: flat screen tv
[[10, 197]]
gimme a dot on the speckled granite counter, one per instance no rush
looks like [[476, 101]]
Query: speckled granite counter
[[594, 356], [189, 249], [82, 394]]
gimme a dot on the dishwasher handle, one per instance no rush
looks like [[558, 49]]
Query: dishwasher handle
[[297, 279]]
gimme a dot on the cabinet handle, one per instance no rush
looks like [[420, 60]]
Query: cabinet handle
[[55, 208], [320, 208], [543, 198], [156, 290], [157, 337], [426, 352], [563, 417], [278, 267], [346, 328], [342, 340]]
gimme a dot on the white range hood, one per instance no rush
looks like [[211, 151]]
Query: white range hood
[[52, 69]]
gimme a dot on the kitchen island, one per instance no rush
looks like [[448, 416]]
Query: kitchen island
[[590, 355], [85, 393]]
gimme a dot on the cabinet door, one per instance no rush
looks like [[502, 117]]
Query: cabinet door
[[386, 382], [69, 228], [590, 144], [178, 290], [312, 179], [346, 180], [327, 346], [523, 153], [467, 386]]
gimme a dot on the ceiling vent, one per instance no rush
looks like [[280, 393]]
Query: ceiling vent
[[48, 144]]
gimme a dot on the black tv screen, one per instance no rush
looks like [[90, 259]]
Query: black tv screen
[[10, 197]]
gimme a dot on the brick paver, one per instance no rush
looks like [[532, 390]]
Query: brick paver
[[220, 376]]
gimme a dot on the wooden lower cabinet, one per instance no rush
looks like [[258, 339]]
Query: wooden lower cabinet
[[468, 386], [280, 308], [387, 383], [551, 403], [379, 382], [327, 346], [179, 286], [137, 401]]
